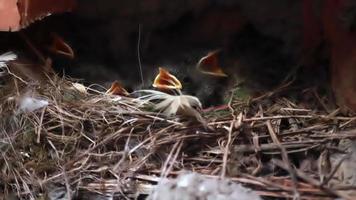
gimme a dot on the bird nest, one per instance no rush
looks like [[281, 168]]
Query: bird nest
[[83, 143]]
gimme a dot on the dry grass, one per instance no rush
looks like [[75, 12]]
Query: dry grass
[[106, 144]]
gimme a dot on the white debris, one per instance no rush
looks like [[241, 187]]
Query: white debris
[[187, 181], [195, 186], [30, 104], [79, 87], [345, 173], [344, 164], [4, 58]]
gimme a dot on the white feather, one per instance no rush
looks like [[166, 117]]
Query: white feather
[[30, 104], [170, 104], [4, 58], [8, 56]]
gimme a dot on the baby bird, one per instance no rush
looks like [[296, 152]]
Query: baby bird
[[250, 57]]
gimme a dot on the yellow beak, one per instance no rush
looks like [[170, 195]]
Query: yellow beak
[[165, 80]]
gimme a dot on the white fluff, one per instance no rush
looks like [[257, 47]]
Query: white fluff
[[8, 56], [170, 104], [30, 104], [187, 181], [4, 58], [195, 186]]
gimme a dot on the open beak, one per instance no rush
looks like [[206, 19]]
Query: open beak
[[59, 46], [117, 89], [210, 65], [166, 81]]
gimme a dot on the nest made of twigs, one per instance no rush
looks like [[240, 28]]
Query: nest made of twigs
[[94, 142]]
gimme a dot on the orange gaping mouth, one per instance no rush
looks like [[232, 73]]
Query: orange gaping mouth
[[59, 46], [210, 65], [117, 89], [165, 80]]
